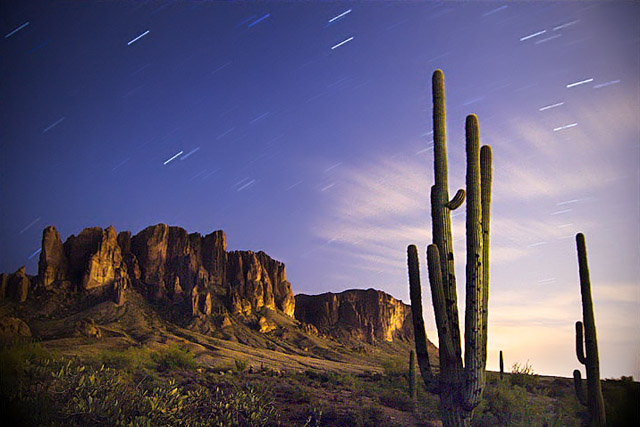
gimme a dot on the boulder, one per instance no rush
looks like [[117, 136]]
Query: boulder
[[12, 327], [264, 325]]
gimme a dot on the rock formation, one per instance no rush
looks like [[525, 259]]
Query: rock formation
[[367, 315], [17, 287], [53, 263], [166, 263], [3, 285], [258, 281], [12, 327], [105, 267]]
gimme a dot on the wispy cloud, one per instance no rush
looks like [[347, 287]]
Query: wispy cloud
[[547, 186]]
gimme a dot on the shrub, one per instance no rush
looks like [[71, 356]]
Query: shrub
[[241, 365], [131, 359], [523, 375], [394, 367], [173, 357], [506, 405]]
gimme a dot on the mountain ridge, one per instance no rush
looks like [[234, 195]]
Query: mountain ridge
[[91, 281]]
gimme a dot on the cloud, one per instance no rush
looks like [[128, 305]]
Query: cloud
[[547, 186], [533, 161]]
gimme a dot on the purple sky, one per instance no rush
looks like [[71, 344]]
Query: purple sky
[[309, 138]]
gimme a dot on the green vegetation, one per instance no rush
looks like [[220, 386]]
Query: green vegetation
[[138, 386], [173, 357], [241, 365]]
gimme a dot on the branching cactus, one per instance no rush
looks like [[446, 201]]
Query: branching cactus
[[592, 399], [459, 385]]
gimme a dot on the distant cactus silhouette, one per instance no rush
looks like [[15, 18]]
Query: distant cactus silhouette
[[460, 386], [501, 365], [587, 340]]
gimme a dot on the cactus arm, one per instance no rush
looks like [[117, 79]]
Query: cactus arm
[[420, 334], [474, 287], [446, 346], [440, 214], [457, 200], [580, 343], [439, 131], [577, 384], [486, 178]]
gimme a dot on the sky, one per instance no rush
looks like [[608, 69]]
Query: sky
[[303, 129]]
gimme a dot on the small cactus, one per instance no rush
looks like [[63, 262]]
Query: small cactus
[[586, 340], [501, 365], [413, 392]]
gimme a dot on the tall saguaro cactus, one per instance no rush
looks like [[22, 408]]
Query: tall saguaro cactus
[[587, 340], [459, 385]]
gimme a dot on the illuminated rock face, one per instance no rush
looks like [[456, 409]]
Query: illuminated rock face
[[168, 265], [53, 263], [368, 315]]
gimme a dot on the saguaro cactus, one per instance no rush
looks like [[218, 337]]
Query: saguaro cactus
[[501, 365], [460, 386], [413, 392], [587, 340]]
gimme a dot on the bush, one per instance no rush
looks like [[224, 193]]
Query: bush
[[241, 365], [173, 357], [131, 359], [395, 367], [505, 405], [523, 375]]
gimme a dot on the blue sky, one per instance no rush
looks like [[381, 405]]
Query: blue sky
[[309, 138]]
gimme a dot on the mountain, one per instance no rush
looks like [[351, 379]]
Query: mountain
[[166, 264], [367, 315], [103, 289]]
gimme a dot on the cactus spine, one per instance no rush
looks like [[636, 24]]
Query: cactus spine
[[588, 341], [501, 365], [460, 386], [413, 392]]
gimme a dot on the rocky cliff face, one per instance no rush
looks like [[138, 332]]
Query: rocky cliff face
[[166, 263], [367, 315]]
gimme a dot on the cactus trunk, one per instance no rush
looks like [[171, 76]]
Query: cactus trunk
[[460, 386], [501, 365], [587, 345]]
